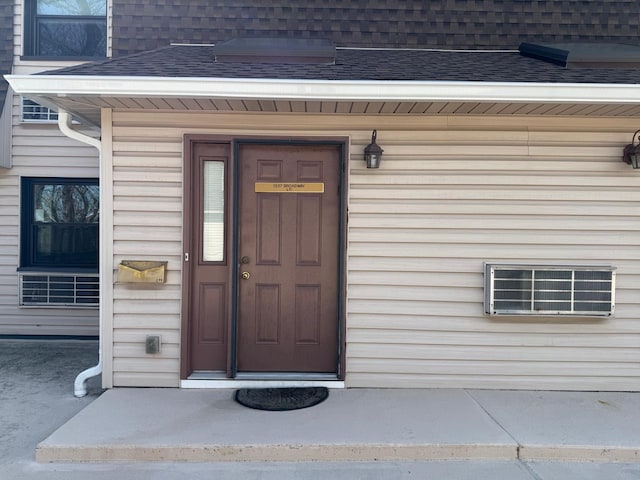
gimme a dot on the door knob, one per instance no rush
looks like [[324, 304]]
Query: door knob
[[245, 275]]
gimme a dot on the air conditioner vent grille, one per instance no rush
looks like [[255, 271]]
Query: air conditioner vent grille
[[549, 290], [60, 290]]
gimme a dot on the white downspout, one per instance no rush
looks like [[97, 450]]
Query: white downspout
[[64, 123]]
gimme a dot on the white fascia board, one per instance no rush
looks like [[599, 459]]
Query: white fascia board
[[322, 90]]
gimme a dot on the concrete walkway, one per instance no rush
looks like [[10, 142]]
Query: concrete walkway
[[37, 403], [351, 425]]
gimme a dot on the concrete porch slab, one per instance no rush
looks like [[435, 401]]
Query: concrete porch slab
[[574, 426], [126, 425]]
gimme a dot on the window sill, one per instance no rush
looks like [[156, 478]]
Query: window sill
[[39, 122], [49, 269], [36, 58]]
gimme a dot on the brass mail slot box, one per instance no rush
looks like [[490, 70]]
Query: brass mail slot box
[[141, 271]]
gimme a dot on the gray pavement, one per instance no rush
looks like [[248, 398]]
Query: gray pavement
[[38, 407]]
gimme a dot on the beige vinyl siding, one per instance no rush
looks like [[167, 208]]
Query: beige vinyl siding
[[451, 200], [18, 11], [452, 193], [38, 150], [147, 217]]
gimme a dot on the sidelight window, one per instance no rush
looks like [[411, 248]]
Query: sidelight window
[[213, 215]]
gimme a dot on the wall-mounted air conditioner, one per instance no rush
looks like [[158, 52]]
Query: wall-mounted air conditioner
[[549, 290]]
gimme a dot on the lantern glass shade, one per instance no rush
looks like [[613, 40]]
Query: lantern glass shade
[[373, 152], [631, 154], [373, 160]]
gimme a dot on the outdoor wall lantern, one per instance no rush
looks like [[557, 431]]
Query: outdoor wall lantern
[[373, 152], [631, 153]]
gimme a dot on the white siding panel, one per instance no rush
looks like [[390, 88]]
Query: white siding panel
[[125, 322], [409, 324], [132, 335], [146, 379], [18, 8], [452, 193], [546, 381]]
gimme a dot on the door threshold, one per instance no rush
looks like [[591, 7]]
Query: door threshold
[[231, 383], [325, 377], [261, 380]]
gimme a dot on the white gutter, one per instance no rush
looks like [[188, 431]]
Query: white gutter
[[61, 86], [64, 123]]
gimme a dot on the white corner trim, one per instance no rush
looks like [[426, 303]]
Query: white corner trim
[[106, 247], [322, 90]]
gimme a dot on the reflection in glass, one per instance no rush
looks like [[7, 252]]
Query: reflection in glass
[[65, 224], [213, 206], [72, 38], [72, 7], [66, 203]]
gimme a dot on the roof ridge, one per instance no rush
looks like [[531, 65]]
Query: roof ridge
[[452, 50]]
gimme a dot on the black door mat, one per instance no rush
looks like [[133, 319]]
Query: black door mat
[[280, 399]]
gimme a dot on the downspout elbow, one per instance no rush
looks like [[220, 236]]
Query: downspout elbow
[[80, 384], [64, 124]]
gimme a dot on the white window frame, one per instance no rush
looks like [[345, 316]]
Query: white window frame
[[45, 114]]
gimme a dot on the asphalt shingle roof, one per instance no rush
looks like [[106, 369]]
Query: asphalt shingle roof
[[357, 64], [140, 25]]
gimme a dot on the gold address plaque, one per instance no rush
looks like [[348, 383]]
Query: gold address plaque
[[267, 187]]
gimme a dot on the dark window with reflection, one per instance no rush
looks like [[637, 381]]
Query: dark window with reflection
[[66, 28], [60, 223]]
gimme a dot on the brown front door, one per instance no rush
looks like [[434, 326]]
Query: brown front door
[[288, 262]]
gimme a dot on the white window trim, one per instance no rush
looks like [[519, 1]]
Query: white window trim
[[49, 116]]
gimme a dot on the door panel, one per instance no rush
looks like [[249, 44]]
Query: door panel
[[288, 230]]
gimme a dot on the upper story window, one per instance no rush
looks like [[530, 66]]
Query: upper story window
[[65, 28]]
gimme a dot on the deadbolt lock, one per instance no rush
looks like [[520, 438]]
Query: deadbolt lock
[[245, 275], [244, 260]]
